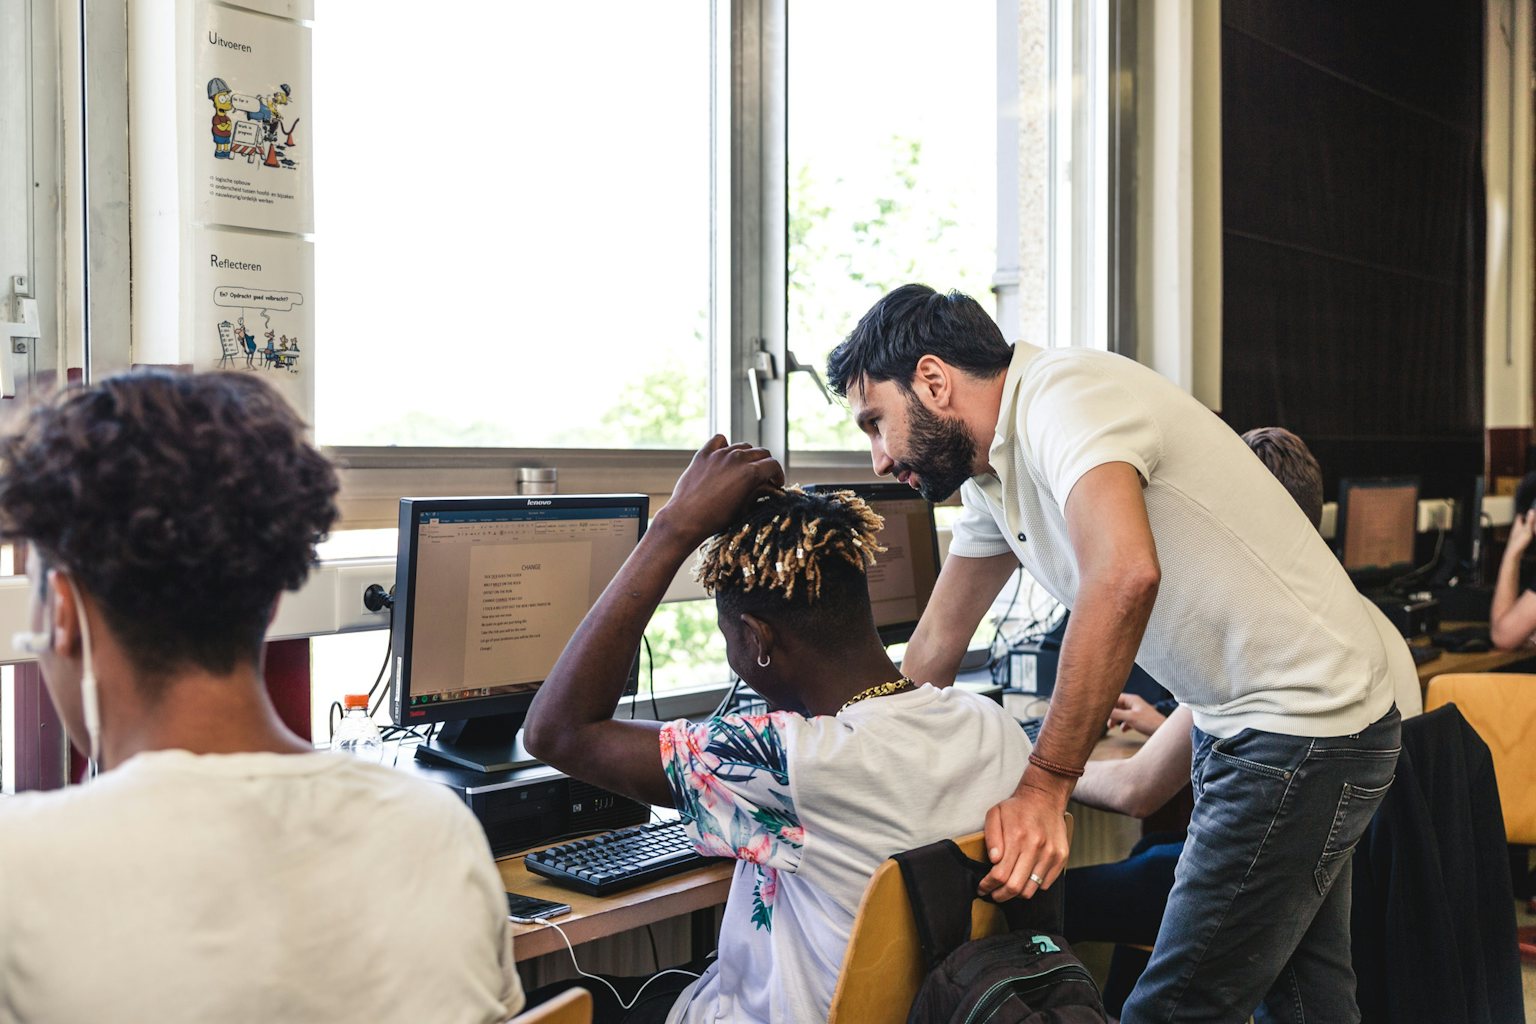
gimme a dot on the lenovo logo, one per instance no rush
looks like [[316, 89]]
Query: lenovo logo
[[535, 501]]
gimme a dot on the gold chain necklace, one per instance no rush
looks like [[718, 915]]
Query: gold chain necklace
[[879, 690]]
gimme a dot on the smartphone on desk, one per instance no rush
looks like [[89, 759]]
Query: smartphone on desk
[[528, 909]]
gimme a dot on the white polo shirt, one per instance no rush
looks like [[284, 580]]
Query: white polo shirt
[[1256, 624], [250, 887]]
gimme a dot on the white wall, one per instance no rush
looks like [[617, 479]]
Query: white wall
[[1507, 163], [1178, 202]]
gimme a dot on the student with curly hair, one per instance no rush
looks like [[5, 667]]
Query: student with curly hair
[[219, 867], [856, 761]]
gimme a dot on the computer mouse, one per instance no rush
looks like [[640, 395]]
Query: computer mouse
[[1474, 645]]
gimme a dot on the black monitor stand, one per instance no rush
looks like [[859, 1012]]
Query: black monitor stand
[[490, 744]]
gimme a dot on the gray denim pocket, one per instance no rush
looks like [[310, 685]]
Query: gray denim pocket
[[1356, 806], [1222, 750]]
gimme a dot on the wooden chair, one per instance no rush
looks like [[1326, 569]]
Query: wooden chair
[[1501, 706], [883, 967], [573, 1006]]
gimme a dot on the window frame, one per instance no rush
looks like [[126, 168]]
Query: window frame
[[747, 346]]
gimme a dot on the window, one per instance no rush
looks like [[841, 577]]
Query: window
[[563, 226], [1080, 167], [892, 174], [513, 215]]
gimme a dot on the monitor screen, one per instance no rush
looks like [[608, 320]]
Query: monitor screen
[[1378, 523], [901, 580], [488, 592]]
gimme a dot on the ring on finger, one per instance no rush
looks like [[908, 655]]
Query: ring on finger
[[1036, 878]]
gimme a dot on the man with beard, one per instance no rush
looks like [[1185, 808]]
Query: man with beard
[[1175, 548]]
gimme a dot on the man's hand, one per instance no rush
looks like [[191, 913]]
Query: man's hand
[[1131, 712], [1026, 835], [718, 483]]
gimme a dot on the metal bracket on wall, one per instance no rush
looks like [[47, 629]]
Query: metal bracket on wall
[[18, 330]]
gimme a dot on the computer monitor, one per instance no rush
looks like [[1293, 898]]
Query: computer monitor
[[487, 593], [901, 580], [1377, 526], [1467, 534]]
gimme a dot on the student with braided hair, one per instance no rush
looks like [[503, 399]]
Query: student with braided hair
[[854, 763]]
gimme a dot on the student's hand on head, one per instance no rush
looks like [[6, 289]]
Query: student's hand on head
[[716, 486], [1132, 712], [1521, 530]]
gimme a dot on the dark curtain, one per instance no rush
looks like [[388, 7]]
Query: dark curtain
[[1352, 206]]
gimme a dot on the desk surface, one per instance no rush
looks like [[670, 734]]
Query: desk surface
[[1482, 661], [594, 917]]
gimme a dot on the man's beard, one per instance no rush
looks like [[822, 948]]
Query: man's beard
[[940, 452]]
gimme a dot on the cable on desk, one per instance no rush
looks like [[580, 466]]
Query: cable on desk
[[992, 656], [604, 981], [650, 668], [655, 956], [389, 634]]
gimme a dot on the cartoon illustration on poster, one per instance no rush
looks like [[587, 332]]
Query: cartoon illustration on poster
[[250, 86], [245, 127], [248, 329], [253, 312]]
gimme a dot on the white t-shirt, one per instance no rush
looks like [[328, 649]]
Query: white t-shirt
[[250, 887], [810, 807], [1256, 624]]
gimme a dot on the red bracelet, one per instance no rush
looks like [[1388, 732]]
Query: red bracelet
[[1053, 768]]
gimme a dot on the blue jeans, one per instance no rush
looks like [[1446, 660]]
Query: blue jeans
[[1258, 919]]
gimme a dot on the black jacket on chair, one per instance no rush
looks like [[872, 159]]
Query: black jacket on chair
[[1433, 927]]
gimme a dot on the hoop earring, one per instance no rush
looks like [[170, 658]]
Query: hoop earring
[[764, 660]]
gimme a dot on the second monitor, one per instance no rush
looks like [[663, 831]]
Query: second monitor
[[902, 578], [1376, 528]]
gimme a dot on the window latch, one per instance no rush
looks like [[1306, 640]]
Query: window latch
[[760, 373], [796, 366]]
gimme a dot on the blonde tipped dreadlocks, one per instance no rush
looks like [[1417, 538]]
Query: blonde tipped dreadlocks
[[789, 548]]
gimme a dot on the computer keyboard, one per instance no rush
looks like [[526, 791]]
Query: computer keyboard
[[614, 861], [1032, 728], [1424, 654], [1464, 639]]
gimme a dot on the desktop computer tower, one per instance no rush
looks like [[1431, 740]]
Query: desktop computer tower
[[535, 806]]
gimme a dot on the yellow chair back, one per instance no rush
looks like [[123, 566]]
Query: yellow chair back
[[1501, 706], [573, 1006], [883, 968]]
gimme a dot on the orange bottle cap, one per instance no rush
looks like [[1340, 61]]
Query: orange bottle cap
[[355, 700]]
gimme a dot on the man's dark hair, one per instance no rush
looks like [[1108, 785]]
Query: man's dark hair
[[1293, 464], [909, 323], [1525, 494], [184, 503], [798, 560]]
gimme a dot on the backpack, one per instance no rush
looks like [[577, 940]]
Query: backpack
[[1027, 975]]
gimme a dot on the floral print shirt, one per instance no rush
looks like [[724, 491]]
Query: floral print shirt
[[730, 782], [808, 808]]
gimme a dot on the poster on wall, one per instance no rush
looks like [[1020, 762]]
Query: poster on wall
[[252, 310], [302, 9], [251, 139]]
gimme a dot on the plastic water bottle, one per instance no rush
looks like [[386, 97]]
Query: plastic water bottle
[[357, 734]]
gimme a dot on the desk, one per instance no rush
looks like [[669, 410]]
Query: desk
[[1481, 661], [595, 917]]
